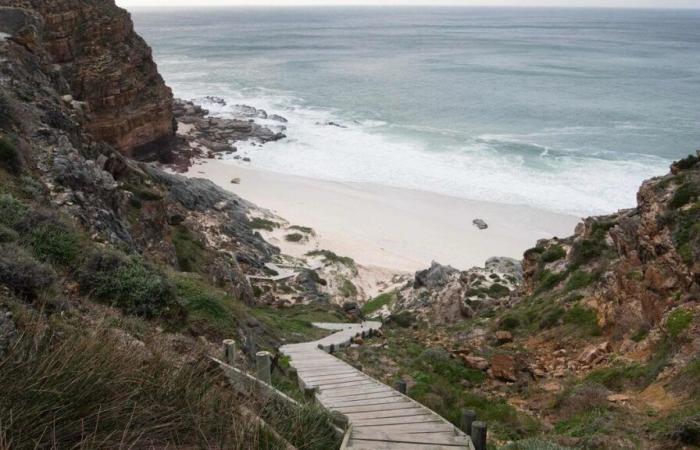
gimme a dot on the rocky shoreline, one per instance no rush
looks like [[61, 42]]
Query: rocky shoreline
[[203, 136]]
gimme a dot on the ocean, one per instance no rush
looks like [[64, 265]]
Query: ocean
[[567, 110]]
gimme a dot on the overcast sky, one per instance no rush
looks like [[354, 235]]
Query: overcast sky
[[581, 3]]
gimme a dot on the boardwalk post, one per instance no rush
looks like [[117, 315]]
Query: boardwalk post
[[263, 364], [230, 352], [401, 386], [479, 435], [468, 418]]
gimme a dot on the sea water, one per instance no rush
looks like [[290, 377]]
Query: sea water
[[563, 109]]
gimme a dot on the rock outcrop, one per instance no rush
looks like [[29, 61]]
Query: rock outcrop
[[102, 63]]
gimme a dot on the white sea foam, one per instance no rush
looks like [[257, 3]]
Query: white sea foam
[[371, 151]]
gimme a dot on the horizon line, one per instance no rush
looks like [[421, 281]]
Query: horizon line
[[388, 6]]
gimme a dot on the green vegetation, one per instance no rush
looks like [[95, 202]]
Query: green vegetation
[[293, 324], [686, 193], [305, 230], [584, 424], [51, 240], [9, 157], [189, 250], [23, 274], [209, 311], [678, 321], [548, 280], [347, 289], [378, 302], [534, 444], [130, 284], [551, 318], [687, 163], [533, 251], [7, 235], [85, 391], [331, 257], [294, 237], [584, 319], [553, 253], [259, 223], [11, 210], [686, 235], [580, 279], [441, 382], [498, 291]]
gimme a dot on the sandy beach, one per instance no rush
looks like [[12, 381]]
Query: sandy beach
[[394, 228]]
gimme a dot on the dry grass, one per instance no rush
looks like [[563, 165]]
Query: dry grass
[[85, 391]]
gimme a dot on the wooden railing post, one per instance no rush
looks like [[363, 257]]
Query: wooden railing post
[[401, 386], [468, 418], [478, 435], [263, 362], [230, 352]]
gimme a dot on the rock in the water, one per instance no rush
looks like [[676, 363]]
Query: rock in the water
[[480, 224]]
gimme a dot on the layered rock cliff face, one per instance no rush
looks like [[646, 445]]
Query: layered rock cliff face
[[93, 46]]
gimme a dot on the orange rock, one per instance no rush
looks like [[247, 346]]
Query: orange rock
[[504, 367]]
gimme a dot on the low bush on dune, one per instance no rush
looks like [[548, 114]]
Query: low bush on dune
[[9, 157]]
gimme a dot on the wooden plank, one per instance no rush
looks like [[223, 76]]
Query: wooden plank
[[349, 393], [413, 438], [371, 396], [419, 428], [390, 410], [342, 377], [379, 421], [359, 444], [387, 414], [390, 398]]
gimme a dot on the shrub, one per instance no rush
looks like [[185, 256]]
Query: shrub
[[209, 310], [9, 157], [498, 290], [548, 280], [331, 257], [684, 195], [587, 250], [553, 253], [189, 251], [378, 302], [11, 210], [22, 273], [678, 321], [579, 280], [686, 430], [533, 251], [551, 318], [509, 322], [404, 319], [687, 163], [49, 238], [618, 377], [294, 237], [583, 318], [7, 235], [262, 224], [305, 230], [131, 285], [453, 370], [347, 288]]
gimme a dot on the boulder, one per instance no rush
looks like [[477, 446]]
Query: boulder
[[475, 362], [436, 276], [480, 224], [595, 353], [504, 367], [503, 337]]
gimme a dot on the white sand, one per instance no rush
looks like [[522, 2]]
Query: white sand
[[400, 229]]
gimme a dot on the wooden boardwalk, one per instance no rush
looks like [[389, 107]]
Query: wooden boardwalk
[[380, 417]]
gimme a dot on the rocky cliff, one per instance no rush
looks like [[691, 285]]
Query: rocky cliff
[[92, 47]]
